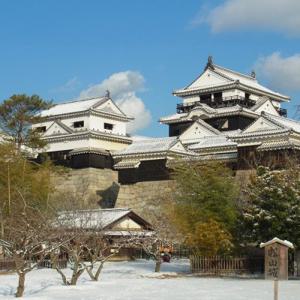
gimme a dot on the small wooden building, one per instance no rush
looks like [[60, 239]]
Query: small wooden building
[[113, 223]]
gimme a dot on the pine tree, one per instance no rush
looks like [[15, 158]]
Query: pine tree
[[273, 208], [17, 114]]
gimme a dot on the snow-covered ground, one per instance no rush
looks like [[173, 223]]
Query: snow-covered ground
[[137, 281]]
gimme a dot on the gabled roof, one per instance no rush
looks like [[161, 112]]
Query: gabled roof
[[215, 77], [279, 241], [100, 219], [196, 131], [266, 105], [283, 122], [102, 105], [73, 106], [269, 122], [57, 128], [148, 146], [263, 124]]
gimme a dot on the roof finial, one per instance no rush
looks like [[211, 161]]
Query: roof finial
[[253, 74], [107, 94], [210, 63]]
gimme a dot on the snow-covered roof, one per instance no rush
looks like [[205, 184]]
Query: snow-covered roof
[[149, 145], [88, 150], [259, 103], [277, 240], [245, 79], [73, 106], [222, 78], [284, 122], [102, 105], [93, 218], [127, 164], [212, 142], [276, 145], [204, 111]]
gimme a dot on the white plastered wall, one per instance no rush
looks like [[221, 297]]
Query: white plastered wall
[[84, 143], [126, 223], [97, 124]]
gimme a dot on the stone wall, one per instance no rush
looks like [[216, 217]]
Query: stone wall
[[100, 187], [140, 195], [92, 186]]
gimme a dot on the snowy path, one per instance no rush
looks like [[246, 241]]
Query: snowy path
[[136, 281]]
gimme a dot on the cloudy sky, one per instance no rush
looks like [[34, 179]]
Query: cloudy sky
[[142, 50]]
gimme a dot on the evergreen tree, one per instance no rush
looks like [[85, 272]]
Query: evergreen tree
[[17, 114], [273, 207], [205, 205]]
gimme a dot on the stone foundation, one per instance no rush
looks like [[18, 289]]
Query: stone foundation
[[92, 186], [100, 187], [140, 195]]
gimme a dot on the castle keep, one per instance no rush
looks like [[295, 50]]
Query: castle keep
[[222, 115]]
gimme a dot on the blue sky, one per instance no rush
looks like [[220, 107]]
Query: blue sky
[[142, 50]]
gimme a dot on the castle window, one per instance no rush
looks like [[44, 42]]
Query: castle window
[[41, 129], [78, 124], [108, 126]]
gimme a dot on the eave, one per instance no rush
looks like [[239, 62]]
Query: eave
[[88, 135], [257, 135], [241, 112], [151, 155], [87, 113], [228, 86]]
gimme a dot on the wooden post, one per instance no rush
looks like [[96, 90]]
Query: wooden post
[[276, 289]]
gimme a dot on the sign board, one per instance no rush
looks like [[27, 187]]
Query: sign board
[[276, 259]]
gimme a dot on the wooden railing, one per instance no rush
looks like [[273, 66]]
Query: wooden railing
[[61, 264], [218, 265], [7, 264]]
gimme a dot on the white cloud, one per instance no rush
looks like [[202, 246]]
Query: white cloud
[[123, 87], [275, 15], [69, 86], [282, 73]]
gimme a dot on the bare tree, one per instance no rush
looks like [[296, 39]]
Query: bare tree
[[98, 252], [26, 242], [70, 240]]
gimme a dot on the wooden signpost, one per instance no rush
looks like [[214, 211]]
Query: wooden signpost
[[276, 261]]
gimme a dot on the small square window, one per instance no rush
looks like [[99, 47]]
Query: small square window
[[78, 124], [108, 126], [41, 129]]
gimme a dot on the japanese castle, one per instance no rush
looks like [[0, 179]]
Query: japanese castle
[[222, 115]]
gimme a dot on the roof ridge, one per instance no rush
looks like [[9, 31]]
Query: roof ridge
[[64, 126], [81, 100], [95, 210], [283, 118], [151, 139], [208, 126], [260, 102], [269, 117], [235, 72]]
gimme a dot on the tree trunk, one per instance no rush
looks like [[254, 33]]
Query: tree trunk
[[63, 276], [90, 272], [157, 265], [21, 285], [99, 271], [1, 227], [95, 277], [75, 276]]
